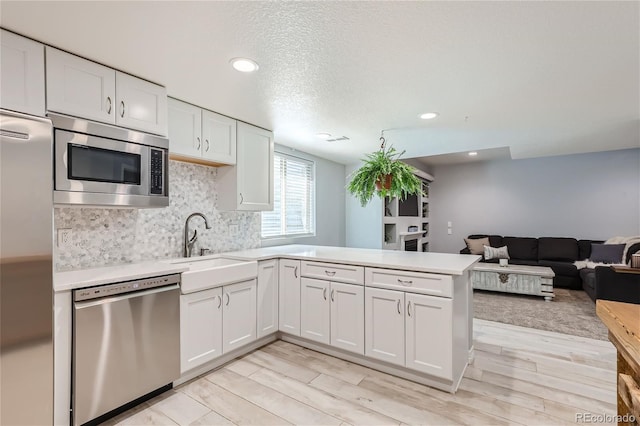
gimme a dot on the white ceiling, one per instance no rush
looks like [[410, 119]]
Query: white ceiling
[[541, 78]]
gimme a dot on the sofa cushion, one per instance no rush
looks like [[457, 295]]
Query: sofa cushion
[[561, 268], [607, 253], [563, 249], [494, 240], [496, 252], [476, 245], [584, 248], [520, 262], [522, 248]]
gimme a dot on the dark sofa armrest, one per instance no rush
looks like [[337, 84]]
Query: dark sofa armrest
[[617, 286], [465, 251]]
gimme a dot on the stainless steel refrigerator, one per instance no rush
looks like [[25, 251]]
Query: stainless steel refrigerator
[[26, 272]]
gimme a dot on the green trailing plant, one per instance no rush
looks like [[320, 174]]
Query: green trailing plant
[[370, 179]]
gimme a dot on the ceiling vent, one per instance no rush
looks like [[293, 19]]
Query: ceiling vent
[[341, 138]]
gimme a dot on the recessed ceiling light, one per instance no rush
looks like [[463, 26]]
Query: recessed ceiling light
[[428, 115], [473, 153], [244, 64], [324, 135]]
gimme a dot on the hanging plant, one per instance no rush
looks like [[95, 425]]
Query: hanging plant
[[383, 175]]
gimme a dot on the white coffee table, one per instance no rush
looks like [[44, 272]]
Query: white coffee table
[[521, 279]]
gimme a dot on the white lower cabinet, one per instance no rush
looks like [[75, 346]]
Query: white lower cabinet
[[333, 313], [200, 327], [347, 317], [384, 325], [289, 296], [429, 331], [267, 297], [239, 315], [316, 310], [216, 321], [412, 330]]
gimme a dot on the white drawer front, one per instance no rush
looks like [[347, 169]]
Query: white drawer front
[[413, 282], [333, 272]]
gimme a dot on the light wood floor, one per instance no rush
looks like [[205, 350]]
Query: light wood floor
[[520, 376]]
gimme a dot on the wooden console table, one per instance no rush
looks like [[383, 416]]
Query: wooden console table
[[623, 322]]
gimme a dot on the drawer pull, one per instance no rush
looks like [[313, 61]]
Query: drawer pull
[[405, 282], [330, 273]]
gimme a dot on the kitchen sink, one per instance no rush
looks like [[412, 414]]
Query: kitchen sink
[[214, 272]]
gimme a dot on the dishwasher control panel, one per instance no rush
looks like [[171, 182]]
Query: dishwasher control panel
[[124, 287]]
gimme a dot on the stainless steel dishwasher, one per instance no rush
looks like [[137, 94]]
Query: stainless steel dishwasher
[[126, 343]]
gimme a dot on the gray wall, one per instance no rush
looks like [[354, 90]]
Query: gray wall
[[364, 224], [594, 195], [330, 203]]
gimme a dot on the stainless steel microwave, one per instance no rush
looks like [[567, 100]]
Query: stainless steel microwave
[[101, 165]]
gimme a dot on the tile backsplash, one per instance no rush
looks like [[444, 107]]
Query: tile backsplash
[[106, 236]]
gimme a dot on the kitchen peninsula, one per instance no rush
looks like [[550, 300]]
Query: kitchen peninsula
[[404, 313]]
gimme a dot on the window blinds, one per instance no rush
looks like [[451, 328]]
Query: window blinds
[[293, 198]]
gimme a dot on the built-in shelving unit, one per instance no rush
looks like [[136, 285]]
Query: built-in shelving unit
[[406, 222]]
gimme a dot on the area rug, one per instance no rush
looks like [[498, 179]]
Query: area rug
[[570, 312]]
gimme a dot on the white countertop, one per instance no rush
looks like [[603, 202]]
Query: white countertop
[[438, 263], [70, 280]]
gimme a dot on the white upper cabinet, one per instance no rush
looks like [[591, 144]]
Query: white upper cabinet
[[185, 128], [21, 74], [218, 138], [79, 87], [82, 88], [196, 134], [141, 105], [249, 184]]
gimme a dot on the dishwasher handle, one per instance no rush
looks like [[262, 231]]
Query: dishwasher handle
[[111, 299]]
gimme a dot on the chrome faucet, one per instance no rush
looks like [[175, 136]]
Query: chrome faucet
[[189, 242]]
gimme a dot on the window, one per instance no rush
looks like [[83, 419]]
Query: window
[[294, 210]]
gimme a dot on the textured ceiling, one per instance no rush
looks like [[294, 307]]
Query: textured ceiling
[[541, 78]]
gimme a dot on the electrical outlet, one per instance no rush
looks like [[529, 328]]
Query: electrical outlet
[[449, 231], [233, 228], [64, 237]]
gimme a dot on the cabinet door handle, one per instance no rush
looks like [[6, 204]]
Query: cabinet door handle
[[405, 282], [122, 109], [241, 198], [198, 140], [219, 301], [399, 307], [207, 148], [324, 294], [228, 299], [332, 291], [295, 272], [109, 105], [409, 308], [330, 273]]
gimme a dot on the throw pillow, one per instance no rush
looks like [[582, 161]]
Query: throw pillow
[[476, 246], [496, 252], [607, 253]]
